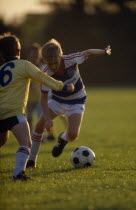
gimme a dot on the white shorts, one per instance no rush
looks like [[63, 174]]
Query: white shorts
[[66, 109]]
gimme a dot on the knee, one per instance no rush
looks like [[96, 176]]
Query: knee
[[72, 136]]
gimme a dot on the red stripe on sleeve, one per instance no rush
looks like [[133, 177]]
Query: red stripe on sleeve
[[44, 92], [45, 69], [71, 56]]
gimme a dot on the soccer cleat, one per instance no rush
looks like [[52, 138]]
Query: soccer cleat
[[58, 148], [21, 177], [30, 164]]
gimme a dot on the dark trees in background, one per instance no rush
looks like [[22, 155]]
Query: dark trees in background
[[80, 32], [77, 31], [9, 28], [79, 5]]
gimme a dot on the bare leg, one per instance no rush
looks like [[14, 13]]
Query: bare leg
[[50, 133], [22, 133], [74, 124], [40, 126]]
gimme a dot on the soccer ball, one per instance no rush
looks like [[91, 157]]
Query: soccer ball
[[82, 157]]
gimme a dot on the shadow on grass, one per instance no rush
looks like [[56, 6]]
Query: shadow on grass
[[50, 151], [59, 171]]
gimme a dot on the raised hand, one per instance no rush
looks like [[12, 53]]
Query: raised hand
[[108, 50]]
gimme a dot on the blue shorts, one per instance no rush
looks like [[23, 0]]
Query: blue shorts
[[9, 123]]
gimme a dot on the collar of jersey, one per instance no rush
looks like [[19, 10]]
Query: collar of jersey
[[10, 59]]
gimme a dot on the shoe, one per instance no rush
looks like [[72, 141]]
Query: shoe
[[21, 176], [30, 164], [58, 148]]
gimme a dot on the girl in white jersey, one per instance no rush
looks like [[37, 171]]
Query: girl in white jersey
[[72, 105]]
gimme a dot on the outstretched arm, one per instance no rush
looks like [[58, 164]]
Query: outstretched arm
[[97, 52]]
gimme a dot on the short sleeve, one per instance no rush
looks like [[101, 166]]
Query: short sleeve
[[75, 58]]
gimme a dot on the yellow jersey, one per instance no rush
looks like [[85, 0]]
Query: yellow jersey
[[34, 90], [15, 76]]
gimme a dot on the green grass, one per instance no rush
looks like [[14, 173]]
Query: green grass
[[109, 129]]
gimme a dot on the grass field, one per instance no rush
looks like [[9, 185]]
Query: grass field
[[109, 129]]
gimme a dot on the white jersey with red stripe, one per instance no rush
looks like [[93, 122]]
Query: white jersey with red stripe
[[69, 73]]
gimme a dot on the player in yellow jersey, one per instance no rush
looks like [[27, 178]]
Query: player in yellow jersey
[[15, 76]]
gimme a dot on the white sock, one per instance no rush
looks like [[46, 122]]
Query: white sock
[[36, 142], [64, 136], [22, 155]]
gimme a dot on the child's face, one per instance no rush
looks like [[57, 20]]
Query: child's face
[[34, 56], [53, 63]]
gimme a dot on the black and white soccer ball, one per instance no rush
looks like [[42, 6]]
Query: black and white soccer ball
[[82, 157]]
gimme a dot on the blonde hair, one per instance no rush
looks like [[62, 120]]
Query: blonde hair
[[51, 49]]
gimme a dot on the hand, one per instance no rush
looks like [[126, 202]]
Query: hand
[[108, 50], [68, 88]]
